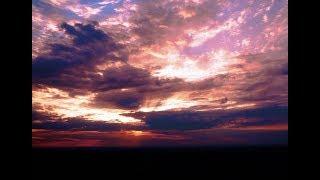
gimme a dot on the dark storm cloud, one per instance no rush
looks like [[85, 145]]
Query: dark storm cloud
[[125, 76], [72, 65], [192, 120], [119, 99], [84, 34]]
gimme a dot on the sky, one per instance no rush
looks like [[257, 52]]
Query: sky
[[158, 73]]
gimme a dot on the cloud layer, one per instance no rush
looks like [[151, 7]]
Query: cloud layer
[[164, 71]]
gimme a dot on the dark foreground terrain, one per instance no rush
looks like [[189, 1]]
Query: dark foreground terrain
[[152, 163]]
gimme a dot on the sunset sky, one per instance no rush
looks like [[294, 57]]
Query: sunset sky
[[137, 73]]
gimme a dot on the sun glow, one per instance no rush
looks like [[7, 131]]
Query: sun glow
[[216, 62], [175, 102], [78, 106], [138, 133]]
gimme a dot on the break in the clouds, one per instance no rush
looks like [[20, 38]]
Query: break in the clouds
[[159, 73]]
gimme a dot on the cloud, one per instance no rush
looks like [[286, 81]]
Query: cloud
[[78, 124], [156, 21], [70, 65], [192, 120], [77, 66], [124, 76], [126, 99], [50, 121], [128, 87], [84, 34], [267, 84], [182, 66]]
